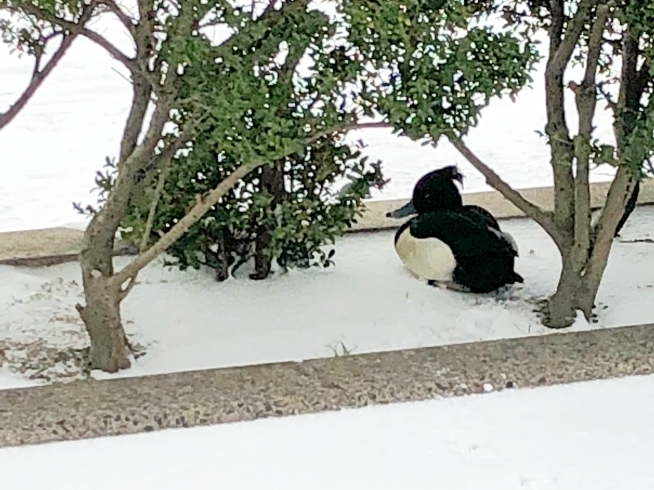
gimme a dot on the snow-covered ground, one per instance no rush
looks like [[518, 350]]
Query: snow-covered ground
[[367, 302], [574, 437], [586, 436], [51, 152]]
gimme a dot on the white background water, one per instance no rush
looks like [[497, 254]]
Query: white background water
[[51, 151]]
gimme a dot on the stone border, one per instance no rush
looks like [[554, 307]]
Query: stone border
[[88, 409], [374, 217], [50, 246]]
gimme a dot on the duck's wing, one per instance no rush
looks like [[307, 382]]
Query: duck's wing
[[465, 236], [477, 213]]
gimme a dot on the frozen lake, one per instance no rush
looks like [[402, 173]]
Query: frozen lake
[[50, 153]]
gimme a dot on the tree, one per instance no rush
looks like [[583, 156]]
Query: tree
[[237, 92], [599, 35], [26, 33], [170, 72]]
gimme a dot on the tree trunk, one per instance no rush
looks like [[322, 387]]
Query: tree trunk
[[561, 308], [102, 294], [582, 270], [101, 316], [101, 313], [272, 182]]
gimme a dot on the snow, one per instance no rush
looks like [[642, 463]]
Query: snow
[[586, 436], [51, 152], [367, 302], [53, 149], [564, 437]]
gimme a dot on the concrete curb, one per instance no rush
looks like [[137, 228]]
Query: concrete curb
[[374, 217], [46, 247], [50, 246], [88, 409]]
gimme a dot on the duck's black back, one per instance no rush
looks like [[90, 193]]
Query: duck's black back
[[480, 215], [485, 261]]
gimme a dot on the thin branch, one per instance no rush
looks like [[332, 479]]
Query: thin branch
[[607, 96], [573, 32], [123, 292], [158, 191], [557, 22], [595, 45], [542, 217], [39, 76], [70, 26], [586, 100], [171, 236], [125, 19]]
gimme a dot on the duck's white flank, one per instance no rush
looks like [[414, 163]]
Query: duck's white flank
[[426, 258]]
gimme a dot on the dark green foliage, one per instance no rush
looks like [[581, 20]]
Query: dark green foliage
[[440, 66], [285, 212], [258, 106], [424, 66]]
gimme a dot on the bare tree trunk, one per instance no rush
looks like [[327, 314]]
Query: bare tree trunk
[[581, 276], [561, 307], [102, 295], [101, 316], [101, 312], [572, 209], [272, 181]]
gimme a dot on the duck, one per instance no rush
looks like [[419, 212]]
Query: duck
[[448, 244]]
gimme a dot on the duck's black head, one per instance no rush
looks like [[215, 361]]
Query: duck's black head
[[433, 192]]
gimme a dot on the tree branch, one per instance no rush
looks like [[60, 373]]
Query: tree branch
[[540, 216], [562, 151], [633, 83], [586, 100], [575, 27], [70, 26], [141, 93], [557, 22], [170, 237], [621, 188], [39, 76], [125, 19], [154, 203]]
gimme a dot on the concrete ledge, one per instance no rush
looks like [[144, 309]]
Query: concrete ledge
[[374, 217], [20, 246], [89, 409], [50, 246], [46, 247]]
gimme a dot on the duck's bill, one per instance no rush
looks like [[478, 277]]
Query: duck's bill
[[407, 210]]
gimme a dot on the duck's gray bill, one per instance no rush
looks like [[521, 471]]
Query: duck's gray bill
[[407, 210]]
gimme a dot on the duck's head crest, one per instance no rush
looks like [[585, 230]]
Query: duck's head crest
[[436, 190], [451, 172]]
